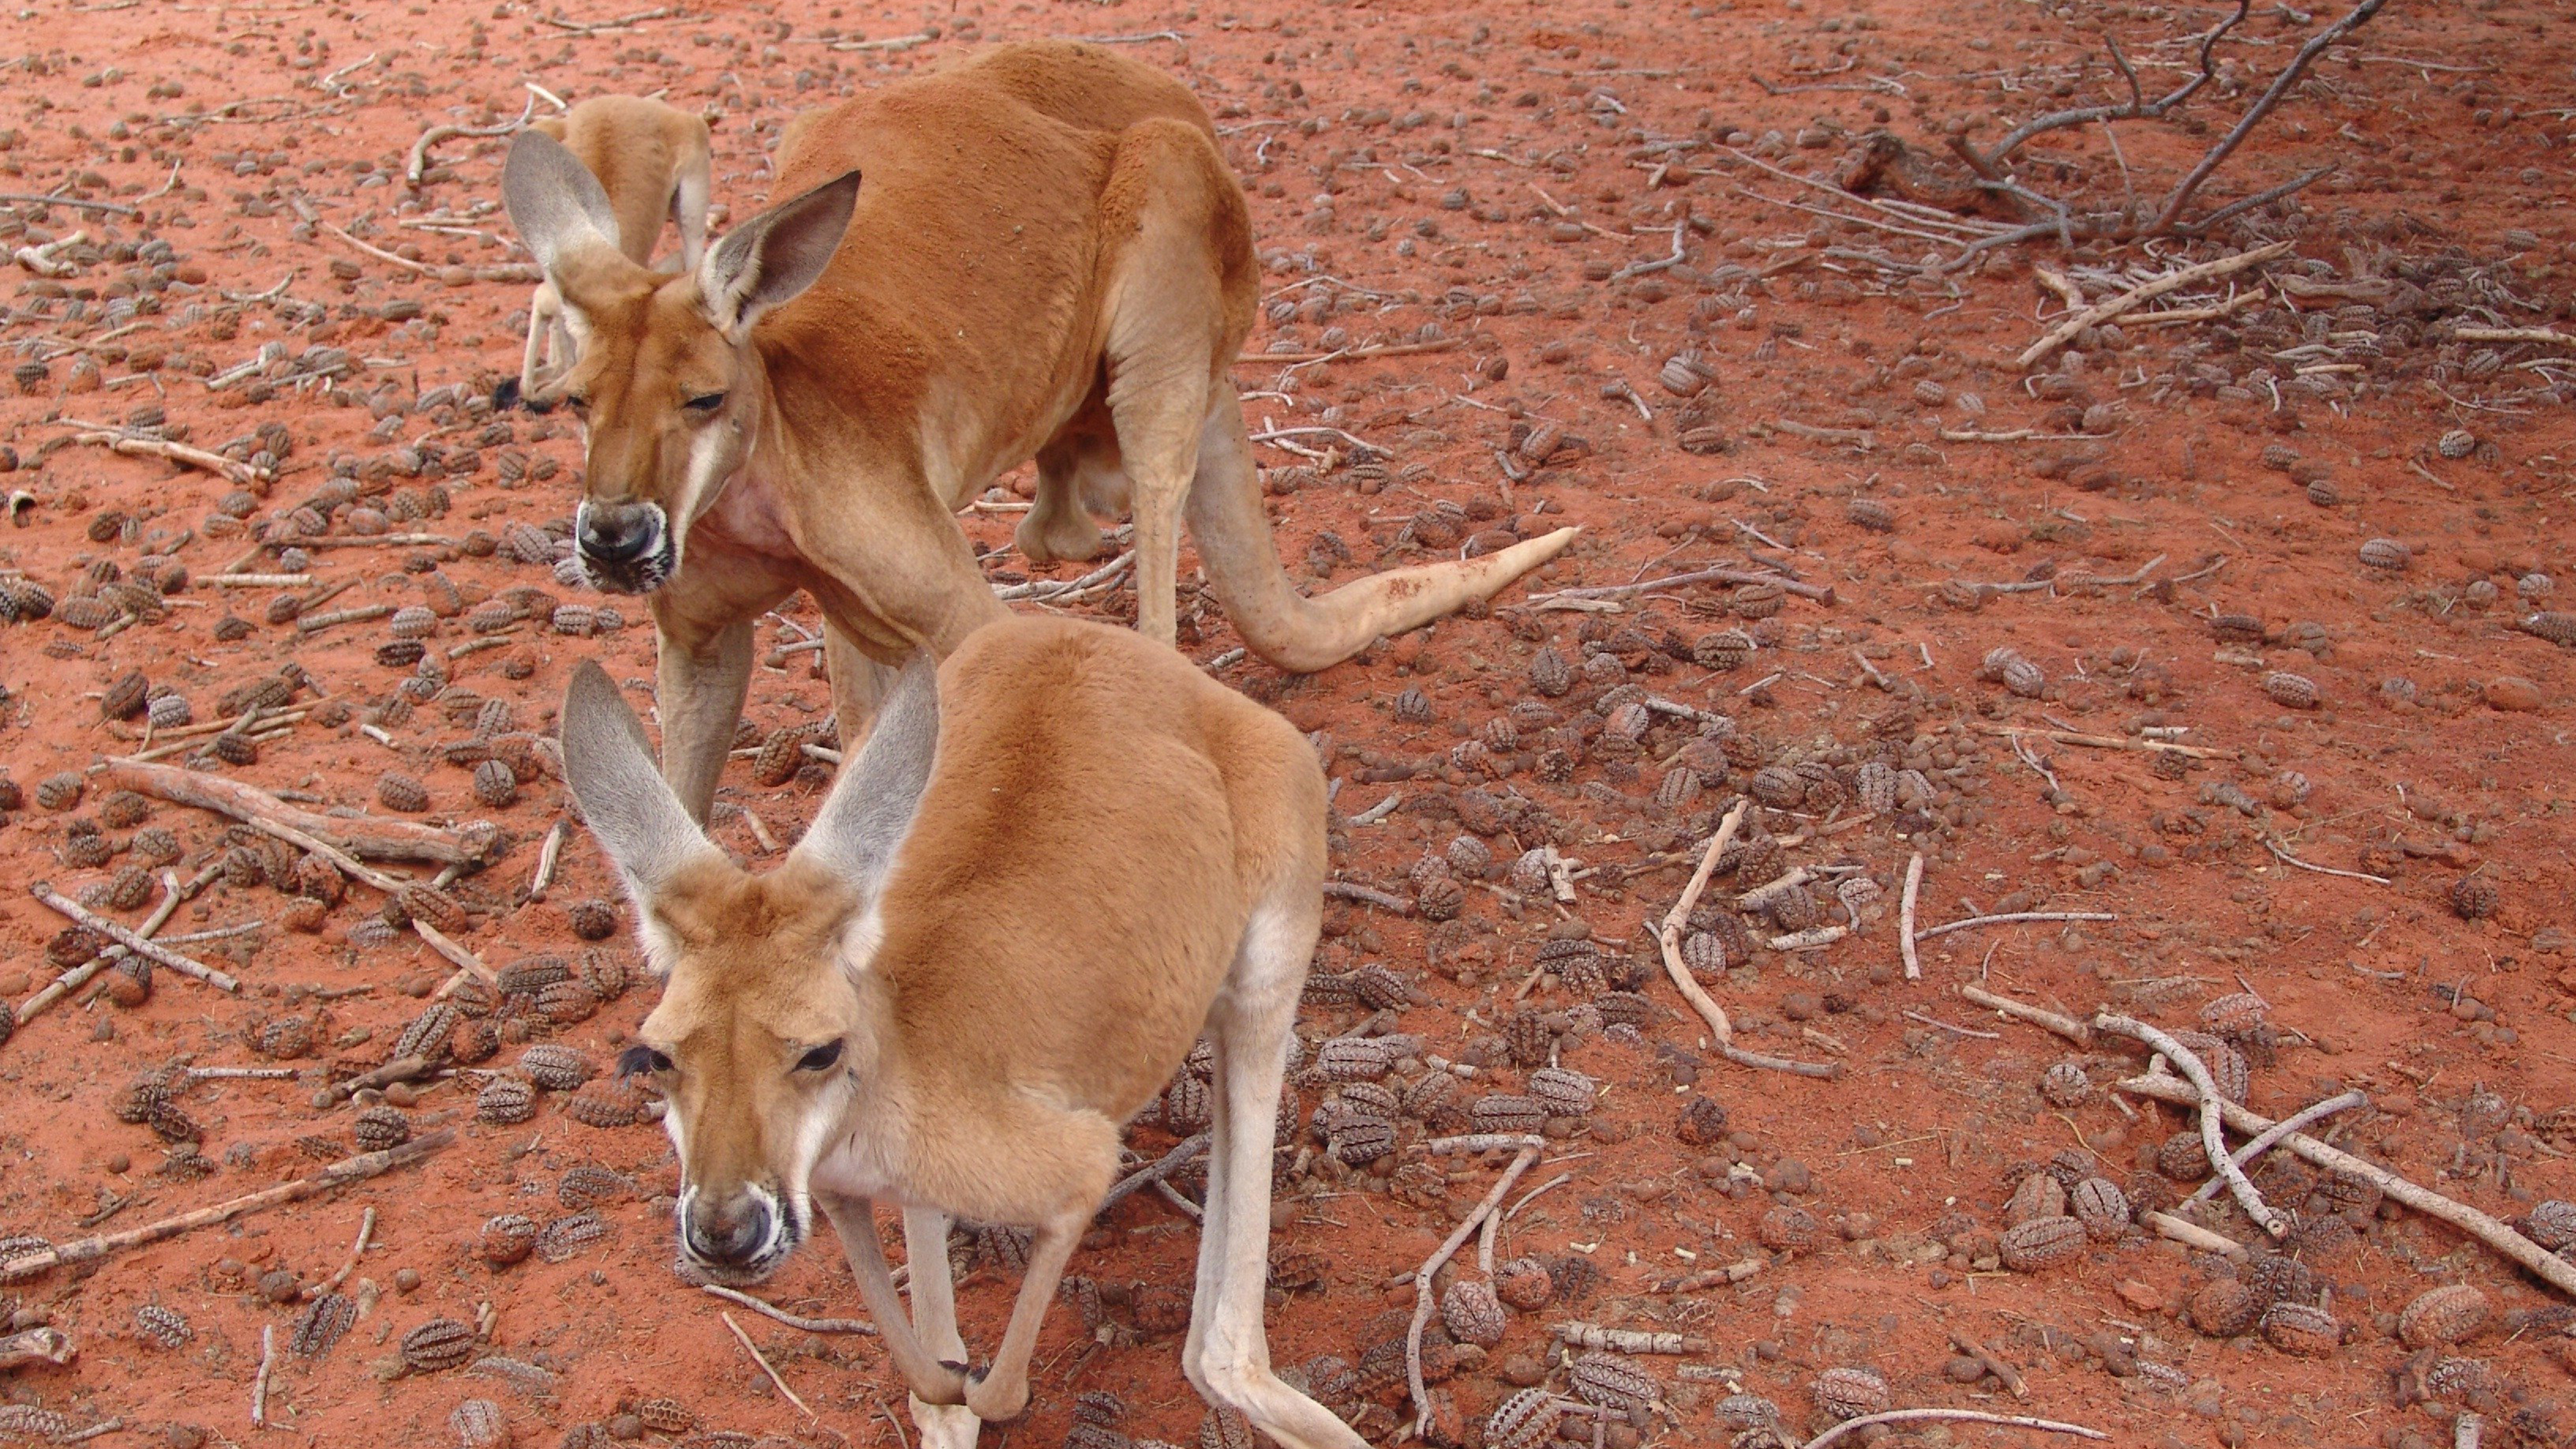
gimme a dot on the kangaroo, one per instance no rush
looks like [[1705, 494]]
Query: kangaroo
[[1037, 254], [1058, 858], [652, 161]]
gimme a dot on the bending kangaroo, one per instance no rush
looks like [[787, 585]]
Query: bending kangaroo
[[1047, 258]]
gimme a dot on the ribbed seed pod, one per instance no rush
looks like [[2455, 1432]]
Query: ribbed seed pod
[[555, 1068], [2042, 1243], [1565, 1093], [508, 1239], [1747, 1411], [563, 1239], [1361, 1140], [1849, 1393], [2445, 1315], [1756, 601], [1507, 1112], [402, 792], [567, 1002], [1472, 1313], [1777, 786], [588, 1185], [2552, 1223], [781, 755], [2024, 678], [1612, 1381], [2225, 1308], [1872, 514], [1704, 954], [322, 1324], [495, 784], [283, 1037], [1440, 898], [1187, 1105], [162, 1327], [1526, 1420], [1725, 650], [2100, 1205], [441, 1343], [1524, 1284], [2474, 898], [2066, 1084], [1787, 1229], [2183, 1157], [125, 698], [59, 791], [1549, 674], [666, 1416], [592, 920], [1352, 1059], [2239, 1013], [606, 1105], [2302, 1329], [480, 1424], [2387, 554], [378, 1128], [505, 1100], [2290, 691]]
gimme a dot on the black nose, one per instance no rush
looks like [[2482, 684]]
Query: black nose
[[618, 533], [730, 1232]]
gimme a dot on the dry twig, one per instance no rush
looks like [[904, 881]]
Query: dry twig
[[1423, 1275], [1970, 1416], [2190, 1065], [754, 1350], [2065, 1026], [1905, 918], [131, 941], [1669, 935], [792, 1320], [2262, 1141]]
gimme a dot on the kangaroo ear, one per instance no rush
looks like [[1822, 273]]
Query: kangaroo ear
[[639, 822], [872, 806], [554, 201], [771, 259]]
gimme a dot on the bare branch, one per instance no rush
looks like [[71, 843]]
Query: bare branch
[[2271, 97]]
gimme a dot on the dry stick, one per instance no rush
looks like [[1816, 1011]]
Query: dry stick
[[368, 836], [2550, 336], [792, 1320], [357, 1250], [1670, 937], [1383, 900], [35, 1346], [2113, 742], [2558, 1272], [340, 1173], [172, 894], [2289, 76], [1384, 349], [2287, 858], [2146, 291], [547, 856], [2013, 918], [2192, 1234], [400, 1069], [185, 966], [1163, 1167], [1995, 1365], [2264, 1139], [2467, 1430], [259, 1385], [754, 1350], [2065, 1026], [2212, 1139], [1821, 593], [1423, 1275], [1970, 1416], [1905, 918], [163, 448], [435, 134]]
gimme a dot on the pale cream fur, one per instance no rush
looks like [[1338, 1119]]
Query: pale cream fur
[[998, 947]]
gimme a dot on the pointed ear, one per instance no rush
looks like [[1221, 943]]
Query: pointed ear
[[872, 806], [554, 201], [639, 822], [772, 258]]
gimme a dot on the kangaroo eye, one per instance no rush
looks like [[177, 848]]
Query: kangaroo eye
[[821, 1059], [642, 1061], [705, 402], [578, 402]]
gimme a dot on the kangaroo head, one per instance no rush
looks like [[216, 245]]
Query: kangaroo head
[[667, 383], [764, 1036]]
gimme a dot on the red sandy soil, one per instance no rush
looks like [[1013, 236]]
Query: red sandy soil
[[1480, 175]]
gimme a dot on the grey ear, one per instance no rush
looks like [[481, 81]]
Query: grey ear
[[871, 809], [557, 205], [609, 764], [772, 258]]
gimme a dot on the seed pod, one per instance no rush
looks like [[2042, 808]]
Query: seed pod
[[1612, 1381], [2066, 1085], [2387, 554], [2280, 457], [126, 698], [1745, 1412], [1524, 1284], [2183, 1157], [402, 792], [1757, 601], [2301, 1329], [563, 1239], [2035, 1197], [441, 1343], [379, 1128], [666, 1416], [2552, 1223], [1360, 1141], [1187, 1106], [322, 1324], [507, 1239], [781, 755], [1563, 1092], [505, 1100], [1873, 515], [2042, 1243], [1704, 954], [1377, 987], [1507, 1112], [1703, 1124], [1441, 899], [480, 1424], [2225, 1308], [555, 1068], [495, 784], [1549, 674], [1849, 1393], [24, 601], [566, 1003], [2444, 1315], [606, 1105], [588, 1185], [2100, 1205], [1778, 787], [162, 1327], [1722, 651], [1352, 1059], [2474, 898], [1526, 1420], [2024, 678], [1786, 1229], [592, 920], [2290, 691], [59, 792], [400, 653], [283, 1037], [1472, 1313], [428, 904], [604, 972]]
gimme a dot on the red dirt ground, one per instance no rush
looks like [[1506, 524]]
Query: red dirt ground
[[1480, 176]]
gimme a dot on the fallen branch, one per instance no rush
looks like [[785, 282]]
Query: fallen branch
[[259, 1382], [22, 198], [1669, 936], [2190, 1065], [476, 844], [2193, 1235], [339, 1174], [1383, 900], [1995, 1365], [419, 165], [1163, 1167], [2065, 1026], [1821, 593], [2548, 336], [792, 1320], [2113, 742], [2287, 858], [1430, 1268], [1625, 1340], [2013, 918], [1383, 349], [2556, 1271], [172, 895], [1968, 1416], [754, 1350], [2147, 291], [49, 1346], [2288, 76], [1905, 918], [400, 1069], [131, 941], [162, 448], [2263, 1140]]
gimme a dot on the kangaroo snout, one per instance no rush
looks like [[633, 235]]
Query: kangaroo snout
[[624, 547], [736, 1231]]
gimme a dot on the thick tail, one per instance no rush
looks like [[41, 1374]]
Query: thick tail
[[1286, 628]]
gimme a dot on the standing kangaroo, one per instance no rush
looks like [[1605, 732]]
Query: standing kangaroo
[[1039, 253]]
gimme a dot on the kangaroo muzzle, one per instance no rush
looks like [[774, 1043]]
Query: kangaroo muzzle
[[624, 548], [739, 1235]]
